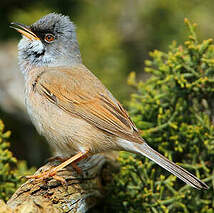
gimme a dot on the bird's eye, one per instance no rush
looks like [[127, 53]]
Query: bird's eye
[[49, 38]]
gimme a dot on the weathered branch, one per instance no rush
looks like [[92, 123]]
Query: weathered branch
[[81, 193]]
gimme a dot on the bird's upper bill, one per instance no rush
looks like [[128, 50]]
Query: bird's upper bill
[[25, 30]]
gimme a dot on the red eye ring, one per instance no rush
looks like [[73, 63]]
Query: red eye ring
[[49, 38]]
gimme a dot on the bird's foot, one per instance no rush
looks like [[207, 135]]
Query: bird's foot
[[52, 173], [43, 176]]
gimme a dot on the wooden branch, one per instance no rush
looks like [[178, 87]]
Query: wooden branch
[[82, 191]]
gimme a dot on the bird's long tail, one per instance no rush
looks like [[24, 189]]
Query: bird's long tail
[[184, 175]]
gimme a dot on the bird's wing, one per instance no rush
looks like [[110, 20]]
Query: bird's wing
[[78, 92]]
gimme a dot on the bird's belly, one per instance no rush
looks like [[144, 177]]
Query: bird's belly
[[65, 133]]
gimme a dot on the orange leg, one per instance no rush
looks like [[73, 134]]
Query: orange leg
[[74, 164], [77, 168], [52, 172]]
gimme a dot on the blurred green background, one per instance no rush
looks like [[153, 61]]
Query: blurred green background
[[115, 38]]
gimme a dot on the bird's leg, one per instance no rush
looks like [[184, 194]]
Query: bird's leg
[[73, 160], [52, 172], [74, 163], [77, 168]]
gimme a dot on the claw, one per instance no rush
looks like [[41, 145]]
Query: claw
[[61, 180], [52, 173], [43, 175]]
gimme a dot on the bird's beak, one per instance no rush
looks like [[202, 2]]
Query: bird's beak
[[25, 30]]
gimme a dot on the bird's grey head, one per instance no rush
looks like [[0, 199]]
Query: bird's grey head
[[51, 41]]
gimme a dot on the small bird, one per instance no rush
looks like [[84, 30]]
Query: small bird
[[69, 105]]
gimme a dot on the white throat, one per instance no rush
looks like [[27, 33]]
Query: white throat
[[33, 54]]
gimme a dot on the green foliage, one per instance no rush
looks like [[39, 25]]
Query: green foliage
[[174, 110], [10, 169]]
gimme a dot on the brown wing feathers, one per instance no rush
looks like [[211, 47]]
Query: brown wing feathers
[[94, 105]]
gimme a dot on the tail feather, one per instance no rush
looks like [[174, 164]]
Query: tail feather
[[184, 175]]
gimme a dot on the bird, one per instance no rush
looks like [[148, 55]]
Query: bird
[[69, 105]]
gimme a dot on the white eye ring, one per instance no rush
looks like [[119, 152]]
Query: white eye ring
[[49, 37]]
